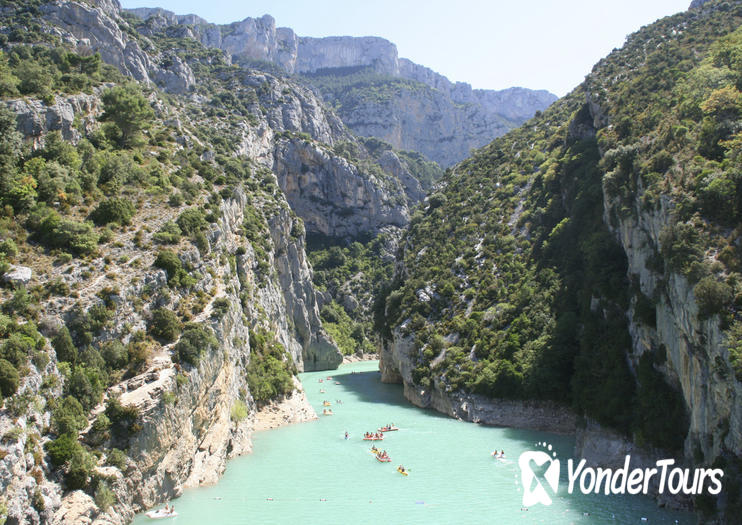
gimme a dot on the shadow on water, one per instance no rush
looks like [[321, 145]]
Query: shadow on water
[[368, 387]]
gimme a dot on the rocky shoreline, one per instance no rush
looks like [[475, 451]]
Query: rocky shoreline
[[288, 411]]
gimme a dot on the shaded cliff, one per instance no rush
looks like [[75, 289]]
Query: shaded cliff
[[590, 258]]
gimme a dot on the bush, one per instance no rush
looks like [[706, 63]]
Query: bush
[[81, 464], [219, 307], [72, 236], [194, 341], [712, 296], [168, 234], [115, 354], [69, 417], [176, 274], [63, 346], [191, 221], [239, 411], [104, 496], [165, 325], [8, 378], [61, 449], [116, 458], [113, 210], [16, 349], [127, 108], [270, 371], [86, 385], [123, 418]]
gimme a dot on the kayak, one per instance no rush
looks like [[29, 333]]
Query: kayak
[[387, 429], [384, 460], [375, 452], [326, 404], [403, 472], [161, 514]]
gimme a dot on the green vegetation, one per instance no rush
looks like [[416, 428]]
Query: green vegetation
[[239, 411], [514, 287], [165, 325], [354, 274], [128, 110], [115, 210], [195, 341], [271, 370]]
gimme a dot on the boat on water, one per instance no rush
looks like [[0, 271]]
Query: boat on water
[[373, 438], [321, 390], [327, 412], [326, 403], [161, 514], [388, 429], [383, 459], [402, 471], [337, 382]]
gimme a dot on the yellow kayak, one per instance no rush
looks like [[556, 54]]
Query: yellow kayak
[[403, 472]]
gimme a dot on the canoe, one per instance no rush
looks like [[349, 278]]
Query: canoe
[[384, 460], [387, 429], [403, 472], [160, 514]]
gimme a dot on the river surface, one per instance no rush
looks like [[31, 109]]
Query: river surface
[[310, 474]]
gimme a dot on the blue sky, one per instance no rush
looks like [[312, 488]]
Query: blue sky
[[539, 44]]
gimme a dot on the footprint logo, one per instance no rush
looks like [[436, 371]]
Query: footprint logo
[[539, 473]]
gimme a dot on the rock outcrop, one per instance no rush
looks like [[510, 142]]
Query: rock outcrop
[[333, 196], [36, 119], [396, 366], [97, 29], [439, 118]]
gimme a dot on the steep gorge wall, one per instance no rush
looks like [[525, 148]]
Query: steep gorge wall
[[439, 118]]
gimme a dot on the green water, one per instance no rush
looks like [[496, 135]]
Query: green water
[[308, 473]]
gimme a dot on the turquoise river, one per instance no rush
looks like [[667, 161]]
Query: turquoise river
[[309, 473]]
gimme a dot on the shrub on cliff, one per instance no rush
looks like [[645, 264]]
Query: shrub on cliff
[[68, 416], [176, 274], [113, 210], [63, 346], [712, 296], [193, 343], [8, 378], [61, 449], [165, 325], [130, 112]]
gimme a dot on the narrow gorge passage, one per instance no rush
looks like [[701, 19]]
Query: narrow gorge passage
[[308, 473]]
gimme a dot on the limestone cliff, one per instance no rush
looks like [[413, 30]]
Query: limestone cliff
[[430, 114], [584, 250]]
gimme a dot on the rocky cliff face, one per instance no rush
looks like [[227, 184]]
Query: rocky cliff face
[[426, 116], [334, 197], [96, 28], [668, 310], [396, 366]]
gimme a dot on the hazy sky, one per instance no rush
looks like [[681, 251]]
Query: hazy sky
[[539, 44]]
